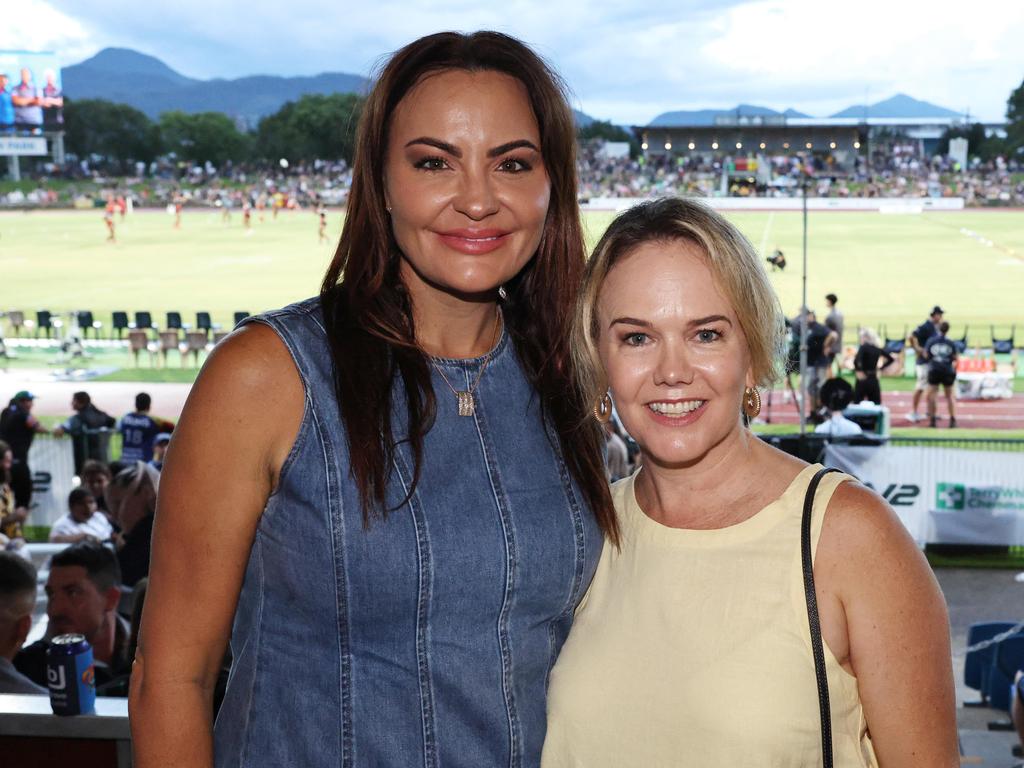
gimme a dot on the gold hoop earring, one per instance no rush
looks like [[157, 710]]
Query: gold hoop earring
[[751, 402], [603, 409]]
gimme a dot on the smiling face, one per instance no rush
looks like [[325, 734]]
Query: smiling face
[[674, 353], [466, 182]]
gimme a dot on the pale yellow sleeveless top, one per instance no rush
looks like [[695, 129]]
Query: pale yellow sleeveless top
[[692, 648]]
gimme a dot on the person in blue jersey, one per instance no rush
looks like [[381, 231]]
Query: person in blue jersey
[[138, 430], [6, 105], [389, 497], [941, 356]]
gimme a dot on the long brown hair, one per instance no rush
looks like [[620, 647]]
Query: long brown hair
[[368, 312]]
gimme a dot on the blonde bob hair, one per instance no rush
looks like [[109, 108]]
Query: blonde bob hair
[[735, 267]]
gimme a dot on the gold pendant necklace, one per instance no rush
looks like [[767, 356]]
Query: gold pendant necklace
[[464, 398]]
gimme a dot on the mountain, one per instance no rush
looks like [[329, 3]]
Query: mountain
[[899, 105], [582, 118], [707, 116], [146, 83], [794, 113]]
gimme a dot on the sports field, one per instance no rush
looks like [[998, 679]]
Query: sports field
[[887, 269]]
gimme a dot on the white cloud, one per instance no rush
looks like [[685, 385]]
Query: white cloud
[[38, 26], [626, 64]]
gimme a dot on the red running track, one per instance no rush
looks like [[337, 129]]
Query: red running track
[[970, 414]]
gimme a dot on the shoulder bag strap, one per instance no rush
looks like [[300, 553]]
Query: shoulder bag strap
[[812, 616]]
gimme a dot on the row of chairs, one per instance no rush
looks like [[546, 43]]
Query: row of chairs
[[1003, 345], [46, 323], [990, 671]]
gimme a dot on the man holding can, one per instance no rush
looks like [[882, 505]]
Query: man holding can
[[83, 592]]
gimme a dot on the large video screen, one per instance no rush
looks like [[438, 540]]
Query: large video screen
[[31, 94]]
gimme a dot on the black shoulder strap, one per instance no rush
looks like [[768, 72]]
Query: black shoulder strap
[[812, 616]]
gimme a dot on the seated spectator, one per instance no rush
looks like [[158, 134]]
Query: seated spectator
[[160, 443], [96, 476], [138, 429], [83, 591], [836, 395], [131, 498], [11, 515], [17, 599], [84, 427], [82, 522]]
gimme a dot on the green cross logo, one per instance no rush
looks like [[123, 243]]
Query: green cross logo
[[950, 496]]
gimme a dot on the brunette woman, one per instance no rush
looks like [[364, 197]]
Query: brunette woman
[[383, 494]]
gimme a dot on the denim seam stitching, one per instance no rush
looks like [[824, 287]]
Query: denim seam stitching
[[504, 640], [423, 597], [259, 652], [337, 523]]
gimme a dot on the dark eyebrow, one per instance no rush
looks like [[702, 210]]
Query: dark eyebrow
[[509, 146], [710, 319], [629, 321], [454, 151], [444, 146]]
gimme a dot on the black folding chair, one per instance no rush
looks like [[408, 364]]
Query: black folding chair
[[1003, 346], [894, 345], [86, 323], [143, 321], [961, 344], [118, 323], [203, 322], [240, 316], [44, 322]]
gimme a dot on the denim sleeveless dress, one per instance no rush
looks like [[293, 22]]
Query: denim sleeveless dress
[[426, 639]]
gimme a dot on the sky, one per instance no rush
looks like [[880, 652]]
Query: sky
[[624, 62]]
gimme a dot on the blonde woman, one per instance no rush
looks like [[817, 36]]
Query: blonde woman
[[692, 646], [865, 367]]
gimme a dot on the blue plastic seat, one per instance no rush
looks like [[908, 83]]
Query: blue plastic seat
[[1008, 658], [978, 663]]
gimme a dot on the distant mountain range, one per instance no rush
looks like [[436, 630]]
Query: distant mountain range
[[899, 105], [148, 84]]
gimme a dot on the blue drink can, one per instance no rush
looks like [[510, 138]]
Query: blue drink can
[[70, 676]]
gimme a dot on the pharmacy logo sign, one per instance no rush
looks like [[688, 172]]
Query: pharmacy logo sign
[[950, 496]]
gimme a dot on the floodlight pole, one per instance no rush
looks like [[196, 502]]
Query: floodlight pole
[[803, 321]]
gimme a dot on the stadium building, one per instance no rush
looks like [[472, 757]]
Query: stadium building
[[749, 131]]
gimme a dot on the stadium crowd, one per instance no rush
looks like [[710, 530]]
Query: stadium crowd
[[898, 171]]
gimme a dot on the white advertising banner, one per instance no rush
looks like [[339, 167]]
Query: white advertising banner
[[944, 495], [22, 145], [53, 469]]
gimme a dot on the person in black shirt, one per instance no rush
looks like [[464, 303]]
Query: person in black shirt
[[18, 428], [820, 341], [865, 368], [917, 339], [941, 355], [86, 429]]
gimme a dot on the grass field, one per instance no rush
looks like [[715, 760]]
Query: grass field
[[887, 269]]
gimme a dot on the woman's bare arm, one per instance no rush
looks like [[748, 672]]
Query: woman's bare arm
[[877, 586], [239, 423]]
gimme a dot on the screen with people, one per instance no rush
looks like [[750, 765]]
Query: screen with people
[[31, 93]]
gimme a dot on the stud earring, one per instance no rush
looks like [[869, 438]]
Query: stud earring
[[603, 409], [751, 402]]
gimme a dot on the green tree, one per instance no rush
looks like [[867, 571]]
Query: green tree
[[1015, 120], [121, 134], [604, 129], [317, 126], [203, 137]]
